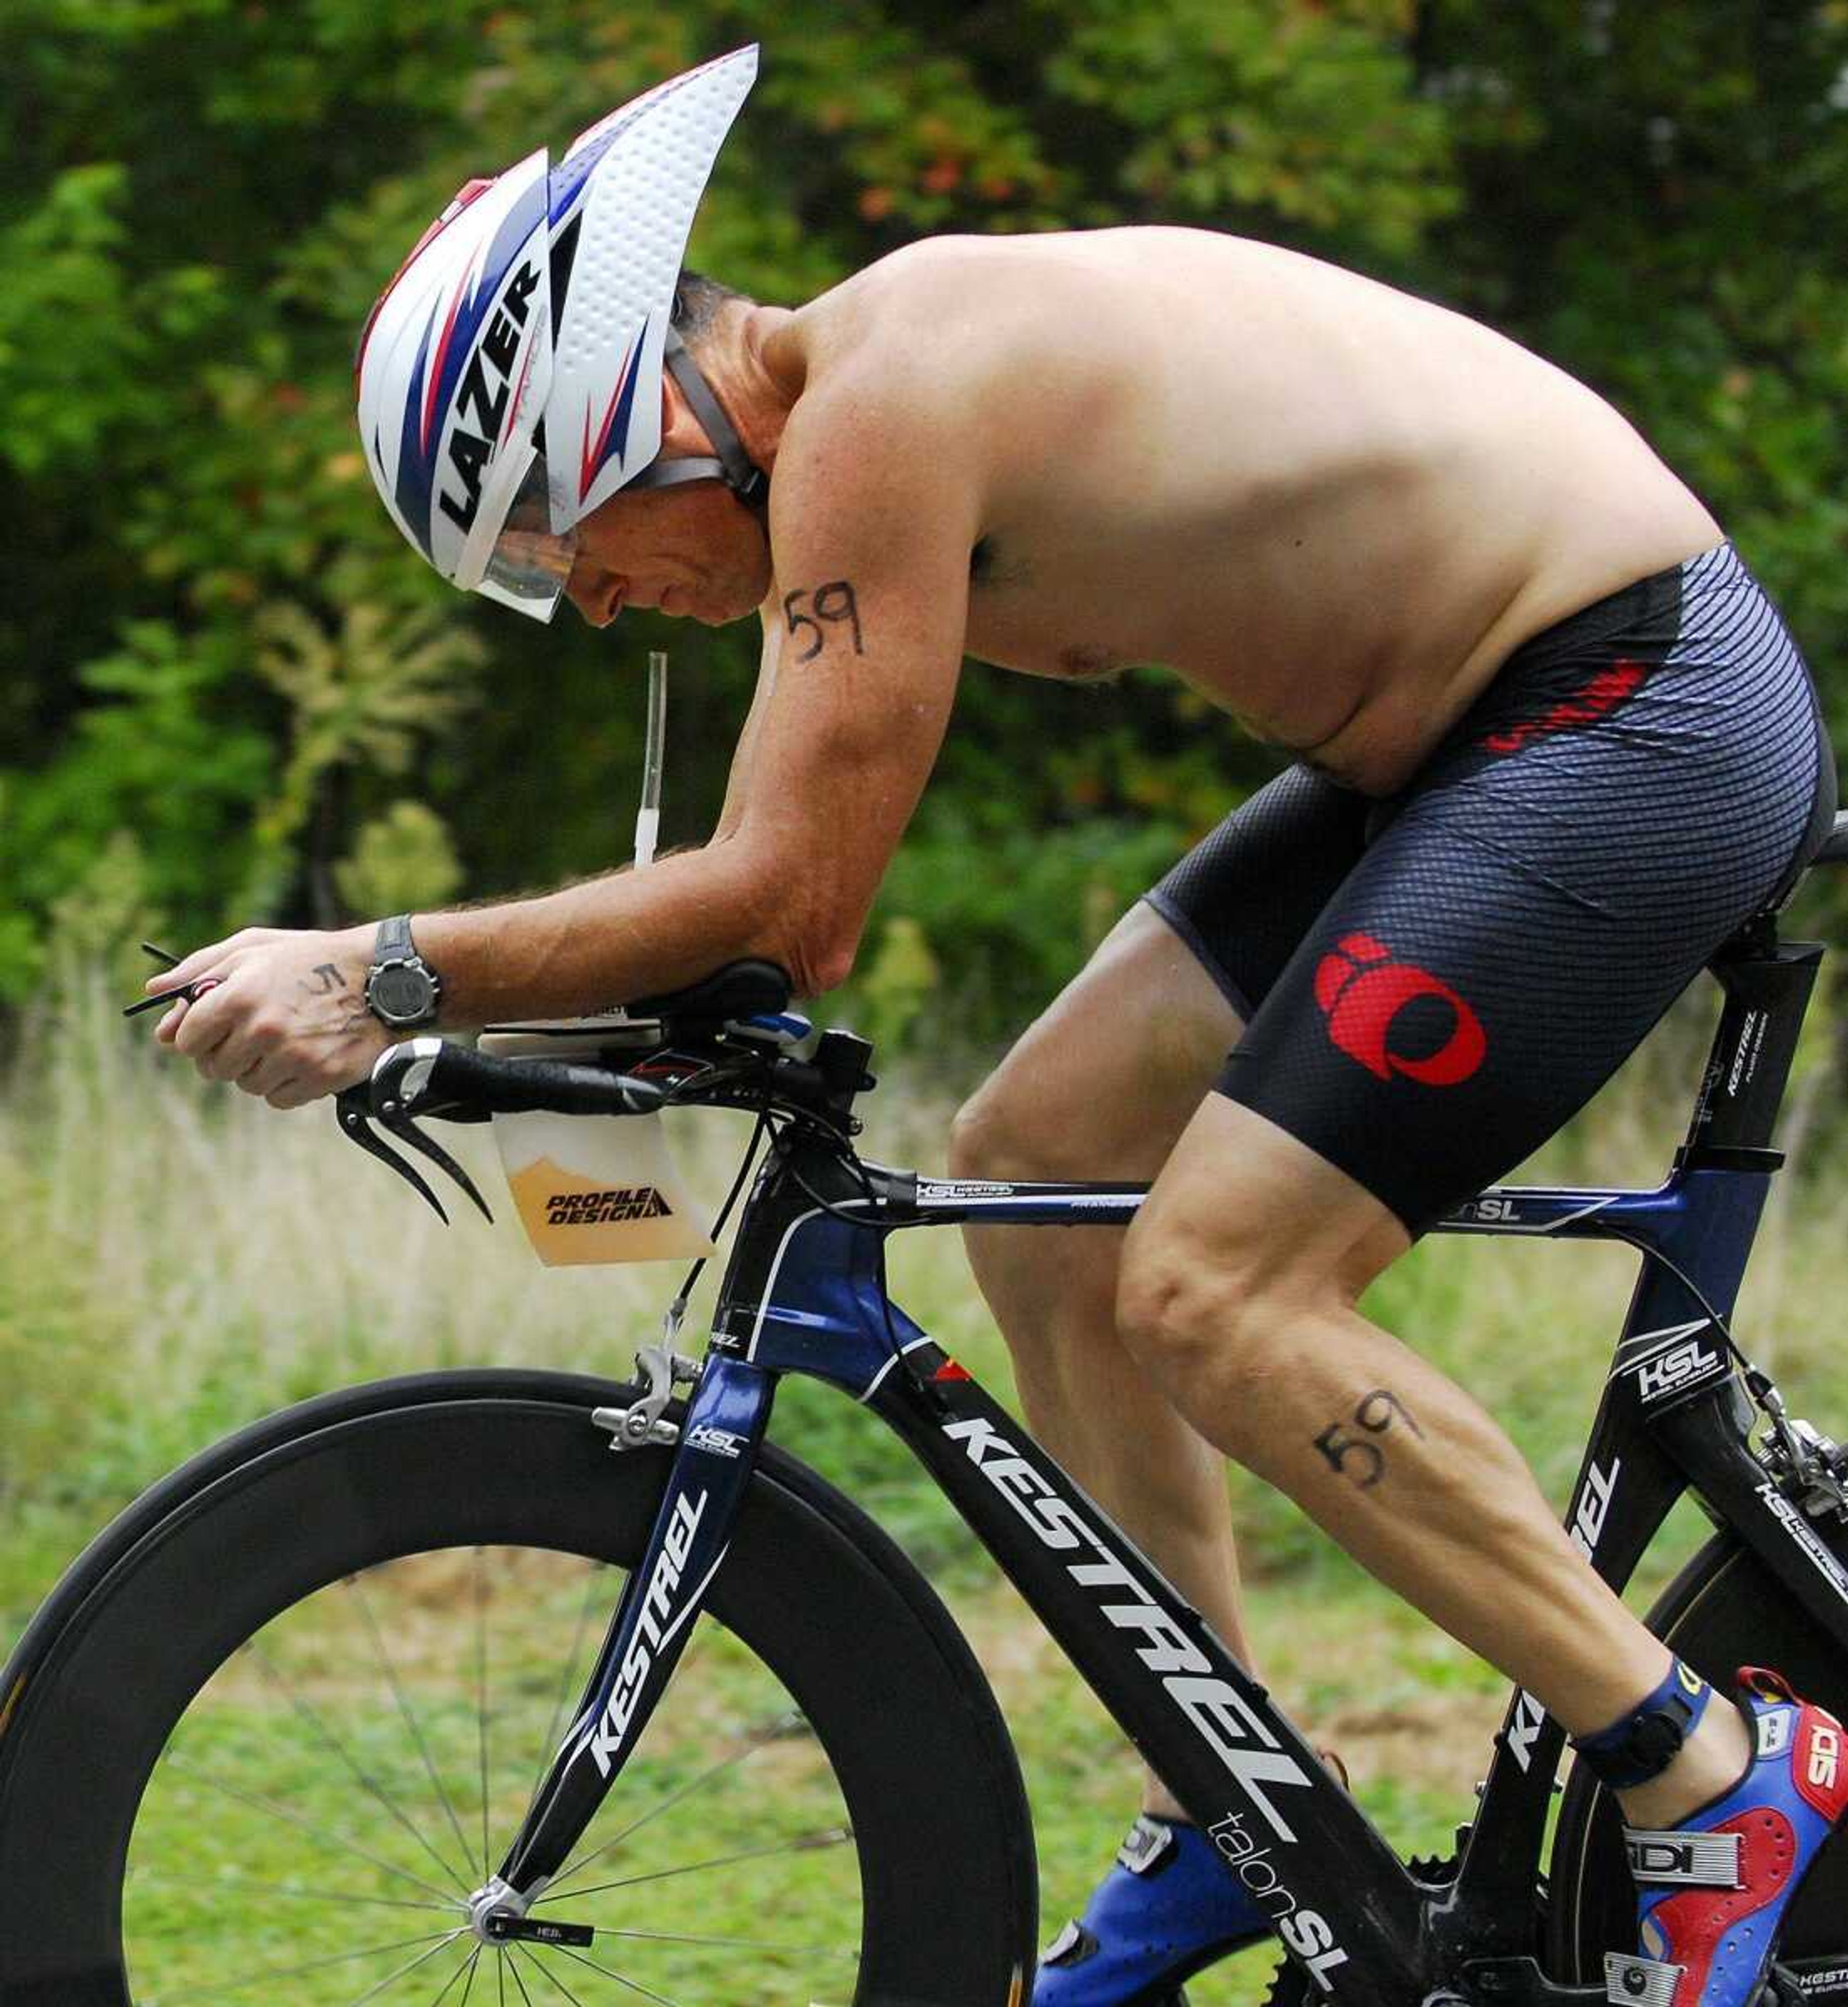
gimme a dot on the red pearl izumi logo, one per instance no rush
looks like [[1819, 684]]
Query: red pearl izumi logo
[[1607, 690], [1363, 990]]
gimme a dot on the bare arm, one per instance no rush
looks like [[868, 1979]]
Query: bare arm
[[873, 518], [729, 817]]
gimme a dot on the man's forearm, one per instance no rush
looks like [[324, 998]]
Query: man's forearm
[[607, 941]]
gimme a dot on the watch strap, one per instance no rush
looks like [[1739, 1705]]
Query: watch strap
[[392, 941], [394, 949]]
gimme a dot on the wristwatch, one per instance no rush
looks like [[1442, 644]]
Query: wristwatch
[[401, 989]]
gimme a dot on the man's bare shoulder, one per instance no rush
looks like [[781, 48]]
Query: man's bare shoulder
[[958, 340]]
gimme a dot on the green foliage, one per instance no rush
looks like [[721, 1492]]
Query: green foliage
[[361, 697], [96, 926], [403, 861], [60, 398], [211, 636], [901, 975]]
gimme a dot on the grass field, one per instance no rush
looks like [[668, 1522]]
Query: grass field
[[175, 1260]]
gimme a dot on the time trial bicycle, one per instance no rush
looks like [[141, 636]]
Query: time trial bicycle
[[312, 1722]]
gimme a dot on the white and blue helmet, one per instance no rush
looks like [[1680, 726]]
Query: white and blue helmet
[[510, 377]]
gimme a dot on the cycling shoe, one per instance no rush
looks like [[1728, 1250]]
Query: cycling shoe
[[1167, 1908], [1713, 1891]]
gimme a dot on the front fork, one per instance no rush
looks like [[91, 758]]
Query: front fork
[[712, 1471]]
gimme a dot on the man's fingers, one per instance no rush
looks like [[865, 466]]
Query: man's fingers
[[201, 959], [203, 1029]]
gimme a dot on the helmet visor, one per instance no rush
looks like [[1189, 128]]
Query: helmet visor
[[531, 563]]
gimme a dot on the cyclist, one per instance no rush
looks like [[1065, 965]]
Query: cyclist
[[1553, 746]]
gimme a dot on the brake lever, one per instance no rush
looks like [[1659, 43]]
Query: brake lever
[[399, 1124], [356, 1111], [353, 1107]]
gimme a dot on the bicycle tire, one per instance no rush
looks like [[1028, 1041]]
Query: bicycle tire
[[1721, 1612], [354, 1481]]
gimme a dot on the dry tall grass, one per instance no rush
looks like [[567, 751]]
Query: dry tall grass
[[176, 1259]]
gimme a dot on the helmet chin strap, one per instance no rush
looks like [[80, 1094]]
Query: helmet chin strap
[[733, 466]]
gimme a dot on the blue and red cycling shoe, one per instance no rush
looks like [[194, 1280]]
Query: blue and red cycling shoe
[[1714, 1890], [1166, 1910]]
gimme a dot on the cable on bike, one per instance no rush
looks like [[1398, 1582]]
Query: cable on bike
[[1759, 1382], [676, 1310], [837, 1211]]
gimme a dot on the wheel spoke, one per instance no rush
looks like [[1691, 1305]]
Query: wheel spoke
[[270, 1972], [507, 1965], [272, 1777], [334, 1842], [634, 1986], [801, 1843], [356, 1584], [366, 1782], [749, 1747], [549, 1748], [241, 1882], [464, 1972], [731, 1944], [552, 1980], [480, 1660], [409, 1967]]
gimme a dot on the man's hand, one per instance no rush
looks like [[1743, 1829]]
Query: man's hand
[[286, 1016]]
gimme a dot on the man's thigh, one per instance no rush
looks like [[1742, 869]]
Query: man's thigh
[[1103, 1081], [1108, 1076]]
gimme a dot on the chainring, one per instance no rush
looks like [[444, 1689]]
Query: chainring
[[1292, 1986]]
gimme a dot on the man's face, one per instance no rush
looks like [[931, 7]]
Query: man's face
[[694, 551]]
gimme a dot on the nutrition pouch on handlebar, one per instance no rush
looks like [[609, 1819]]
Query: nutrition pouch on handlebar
[[593, 1189]]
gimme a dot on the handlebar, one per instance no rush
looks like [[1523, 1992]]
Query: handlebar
[[427, 1073], [726, 1043]]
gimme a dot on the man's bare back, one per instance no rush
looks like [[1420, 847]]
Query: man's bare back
[[1333, 509]]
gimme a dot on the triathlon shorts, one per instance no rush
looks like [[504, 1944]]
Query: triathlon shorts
[[1432, 983]]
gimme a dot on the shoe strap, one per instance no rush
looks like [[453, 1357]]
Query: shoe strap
[[1640, 1982], [1146, 1844], [1684, 1860], [1072, 1940]]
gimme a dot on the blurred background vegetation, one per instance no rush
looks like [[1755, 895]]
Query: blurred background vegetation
[[229, 694]]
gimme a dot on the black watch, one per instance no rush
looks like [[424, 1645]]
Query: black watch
[[402, 990]]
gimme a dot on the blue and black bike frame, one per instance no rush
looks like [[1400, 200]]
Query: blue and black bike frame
[[805, 1292]]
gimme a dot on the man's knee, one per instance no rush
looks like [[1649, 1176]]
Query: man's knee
[[1009, 1130], [1221, 1326], [1201, 1319], [980, 1137]]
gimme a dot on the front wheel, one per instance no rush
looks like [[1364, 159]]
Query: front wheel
[[1722, 1612], [283, 1718]]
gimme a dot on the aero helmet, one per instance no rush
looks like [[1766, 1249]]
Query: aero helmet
[[509, 379]]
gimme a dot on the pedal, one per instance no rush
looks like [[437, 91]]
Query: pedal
[[1780, 1990]]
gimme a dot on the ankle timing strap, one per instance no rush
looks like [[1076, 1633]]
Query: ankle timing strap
[[1637, 1749]]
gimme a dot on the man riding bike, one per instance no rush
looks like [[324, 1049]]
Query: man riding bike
[[1553, 746]]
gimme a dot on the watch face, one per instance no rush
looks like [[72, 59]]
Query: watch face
[[399, 993]]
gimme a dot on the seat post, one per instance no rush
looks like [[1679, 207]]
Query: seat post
[[1767, 983]]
